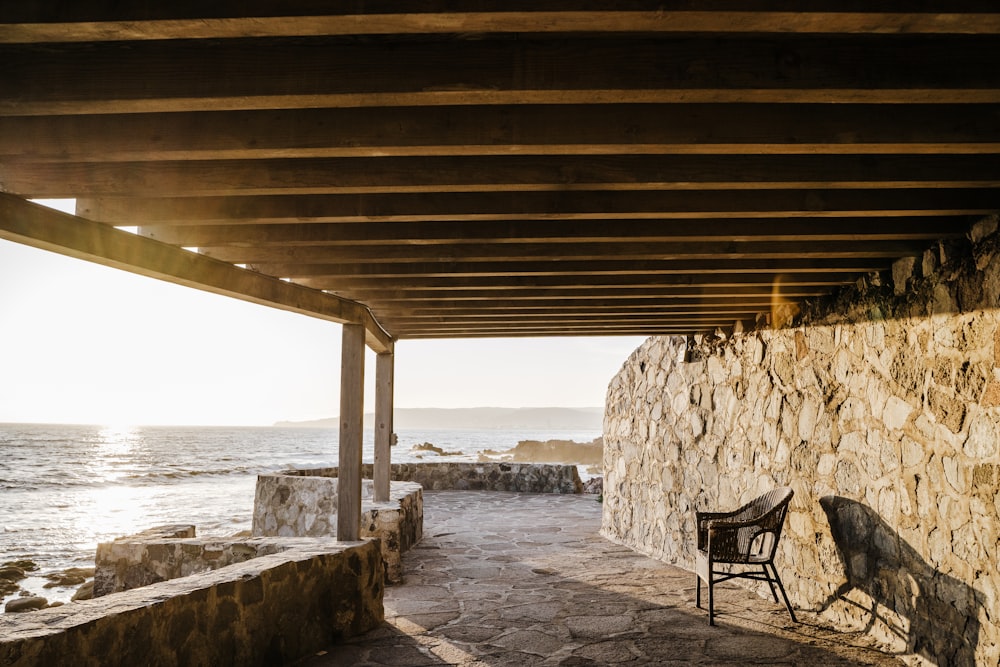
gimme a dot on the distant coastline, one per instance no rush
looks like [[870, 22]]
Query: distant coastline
[[576, 419]]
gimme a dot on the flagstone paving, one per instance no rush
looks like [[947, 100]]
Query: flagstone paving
[[525, 579]]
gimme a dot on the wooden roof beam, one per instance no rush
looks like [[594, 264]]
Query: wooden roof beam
[[415, 272], [498, 173], [644, 205], [380, 235], [35, 225], [601, 129], [332, 259], [585, 283], [458, 297], [200, 76], [543, 299], [184, 20]]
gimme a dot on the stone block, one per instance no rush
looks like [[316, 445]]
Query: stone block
[[902, 273], [896, 412]]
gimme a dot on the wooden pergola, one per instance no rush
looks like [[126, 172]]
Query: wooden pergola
[[436, 169]]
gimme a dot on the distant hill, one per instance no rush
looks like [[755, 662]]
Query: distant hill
[[575, 419]]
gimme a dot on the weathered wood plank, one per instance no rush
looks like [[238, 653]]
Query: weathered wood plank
[[598, 129], [135, 22], [416, 272], [611, 308], [611, 303], [438, 207], [352, 394], [681, 326], [392, 298], [41, 227], [407, 321], [168, 76], [337, 260], [498, 173], [584, 283], [378, 234], [384, 392]]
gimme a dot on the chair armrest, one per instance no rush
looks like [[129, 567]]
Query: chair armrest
[[702, 522], [712, 516], [723, 539], [717, 524], [704, 518], [738, 541]]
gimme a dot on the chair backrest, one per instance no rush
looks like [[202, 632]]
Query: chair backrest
[[773, 506], [758, 541]]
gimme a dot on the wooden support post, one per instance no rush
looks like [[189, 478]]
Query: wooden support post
[[383, 424], [352, 394]]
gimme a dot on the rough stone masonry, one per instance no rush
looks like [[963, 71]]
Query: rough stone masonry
[[880, 408]]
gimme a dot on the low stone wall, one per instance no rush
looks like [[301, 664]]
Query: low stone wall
[[492, 476], [154, 556], [294, 505], [885, 421], [271, 610]]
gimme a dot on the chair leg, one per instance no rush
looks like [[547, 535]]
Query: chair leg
[[697, 596], [788, 605], [711, 597], [770, 581]]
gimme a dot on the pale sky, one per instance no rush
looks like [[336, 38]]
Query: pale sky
[[82, 343]]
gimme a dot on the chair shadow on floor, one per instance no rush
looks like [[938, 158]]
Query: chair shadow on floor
[[942, 611]]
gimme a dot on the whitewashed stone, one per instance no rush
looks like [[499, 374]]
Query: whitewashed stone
[[808, 414], [983, 434], [896, 412], [827, 464], [954, 474]]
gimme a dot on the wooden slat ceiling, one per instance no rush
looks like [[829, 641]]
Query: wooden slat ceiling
[[516, 167]]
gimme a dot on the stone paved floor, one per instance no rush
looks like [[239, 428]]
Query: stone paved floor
[[525, 579]]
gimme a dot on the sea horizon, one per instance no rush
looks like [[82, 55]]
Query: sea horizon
[[319, 422]]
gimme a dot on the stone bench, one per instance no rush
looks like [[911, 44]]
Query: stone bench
[[272, 609]]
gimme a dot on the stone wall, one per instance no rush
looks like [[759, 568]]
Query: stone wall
[[270, 610], [491, 476], [306, 506], [881, 410], [160, 555]]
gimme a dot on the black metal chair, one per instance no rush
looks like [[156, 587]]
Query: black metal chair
[[747, 536]]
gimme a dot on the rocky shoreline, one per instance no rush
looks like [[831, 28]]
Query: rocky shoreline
[[589, 454], [13, 573]]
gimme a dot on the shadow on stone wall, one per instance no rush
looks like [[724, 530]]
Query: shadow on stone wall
[[942, 611]]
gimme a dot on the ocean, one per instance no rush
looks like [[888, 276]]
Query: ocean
[[64, 489]]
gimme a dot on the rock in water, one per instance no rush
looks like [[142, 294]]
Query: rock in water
[[85, 592], [73, 576], [25, 604], [429, 447], [24, 564]]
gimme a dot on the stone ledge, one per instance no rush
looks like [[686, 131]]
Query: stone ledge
[[269, 610], [153, 556], [482, 476]]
